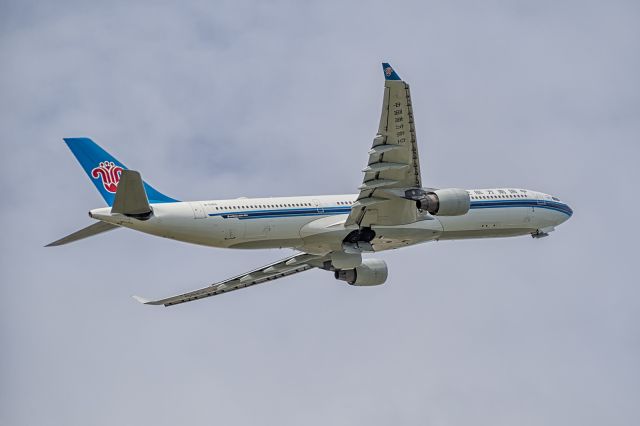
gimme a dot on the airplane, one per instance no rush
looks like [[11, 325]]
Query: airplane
[[330, 232]]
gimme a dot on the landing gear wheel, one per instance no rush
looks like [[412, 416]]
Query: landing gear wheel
[[367, 234], [361, 235]]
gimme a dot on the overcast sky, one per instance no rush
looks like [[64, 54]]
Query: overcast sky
[[225, 99]]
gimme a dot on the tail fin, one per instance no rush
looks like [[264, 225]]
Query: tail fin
[[105, 171]]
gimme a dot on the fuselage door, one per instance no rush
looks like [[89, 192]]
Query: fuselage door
[[539, 202], [318, 206], [198, 210]]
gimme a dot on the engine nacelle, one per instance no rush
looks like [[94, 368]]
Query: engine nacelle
[[370, 272], [445, 202]]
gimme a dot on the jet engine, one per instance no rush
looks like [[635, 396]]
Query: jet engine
[[445, 202], [370, 272]]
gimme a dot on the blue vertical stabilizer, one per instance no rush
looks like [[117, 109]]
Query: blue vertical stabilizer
[[104, 170]]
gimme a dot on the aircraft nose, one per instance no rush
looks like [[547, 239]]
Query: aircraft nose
[[568, 211]]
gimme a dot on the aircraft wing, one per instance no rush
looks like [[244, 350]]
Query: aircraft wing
[[291, 265], [393, 165]]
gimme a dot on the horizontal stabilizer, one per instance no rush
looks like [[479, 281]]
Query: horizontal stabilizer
[[95, 229], [131, 198]]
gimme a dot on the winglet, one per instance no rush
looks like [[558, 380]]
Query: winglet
[[148, 302], [389, 73], [141, 299]]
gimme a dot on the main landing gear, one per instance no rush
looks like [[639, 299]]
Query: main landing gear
[[359, 240]]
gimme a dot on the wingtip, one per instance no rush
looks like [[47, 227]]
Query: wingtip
[[389, 73], [141, 300]]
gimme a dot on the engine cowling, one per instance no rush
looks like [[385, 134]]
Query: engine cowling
[[370, 272], [445, 202]]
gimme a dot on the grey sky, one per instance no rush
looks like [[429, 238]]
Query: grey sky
[[227, 99]]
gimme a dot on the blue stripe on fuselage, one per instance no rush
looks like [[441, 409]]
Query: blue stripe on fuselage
[[262, 214], [549, 205], [329, 211]]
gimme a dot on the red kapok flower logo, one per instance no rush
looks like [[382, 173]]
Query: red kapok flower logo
[[388, 71], [110, 175]]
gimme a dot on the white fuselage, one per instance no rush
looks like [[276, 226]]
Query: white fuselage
[[315, 224]]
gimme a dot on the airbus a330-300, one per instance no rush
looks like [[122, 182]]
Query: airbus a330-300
[[392, 209]]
